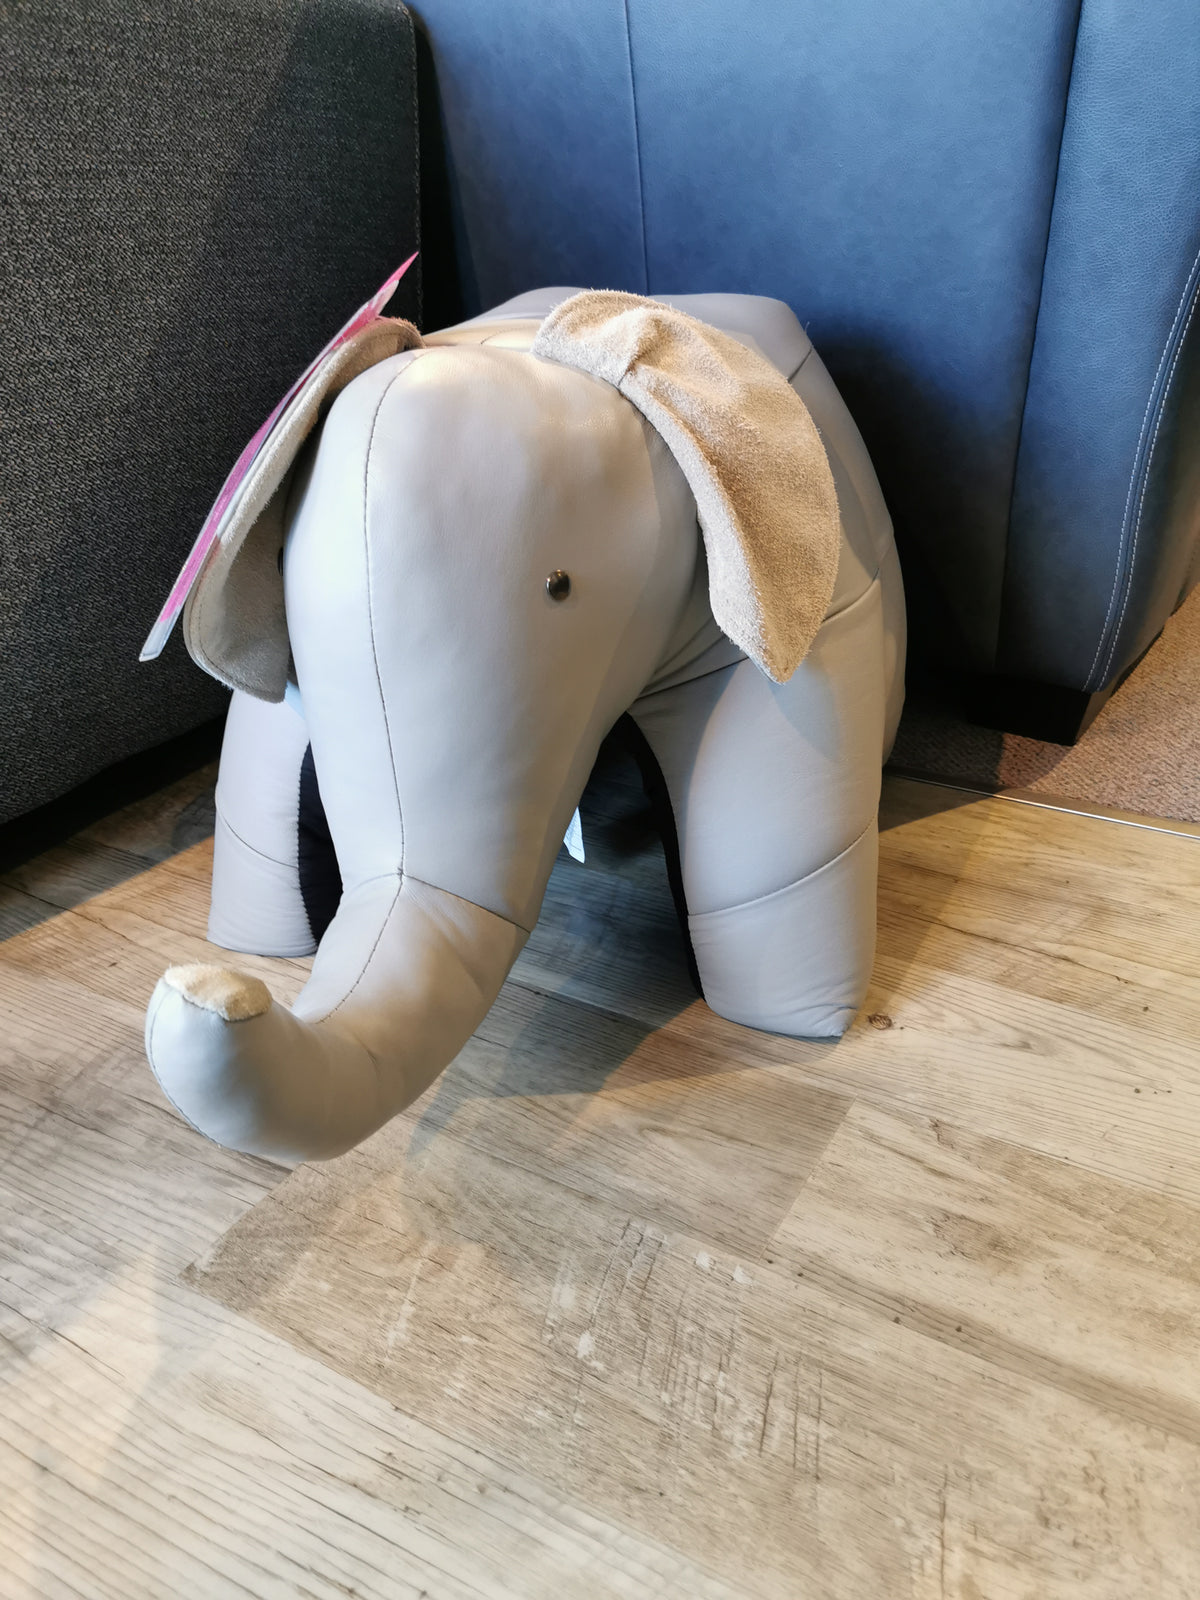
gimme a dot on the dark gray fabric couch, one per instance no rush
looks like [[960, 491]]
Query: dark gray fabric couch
[[195, 196]]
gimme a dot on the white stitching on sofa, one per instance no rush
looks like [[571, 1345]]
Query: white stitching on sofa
[[1137, 456], [1112, 648]]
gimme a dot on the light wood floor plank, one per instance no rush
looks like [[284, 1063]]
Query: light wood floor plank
[[1035, 1266], [158, 1447], [793, 1440]]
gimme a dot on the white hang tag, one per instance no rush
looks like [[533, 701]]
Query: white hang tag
[[573, 838]]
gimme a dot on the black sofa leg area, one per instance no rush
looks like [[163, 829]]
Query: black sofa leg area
[[119, 785], [1043, 711], [1027, 707]]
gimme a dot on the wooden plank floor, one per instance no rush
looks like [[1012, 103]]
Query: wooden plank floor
[[634, 1302]]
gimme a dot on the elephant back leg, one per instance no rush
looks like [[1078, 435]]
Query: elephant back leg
[[275, 878], [775, 791]]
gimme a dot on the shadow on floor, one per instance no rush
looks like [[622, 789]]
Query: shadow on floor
[[108, 851]]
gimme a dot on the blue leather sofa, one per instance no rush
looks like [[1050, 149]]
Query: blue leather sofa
[[988, 217]]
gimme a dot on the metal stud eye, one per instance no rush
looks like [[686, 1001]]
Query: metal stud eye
[[558, 585]]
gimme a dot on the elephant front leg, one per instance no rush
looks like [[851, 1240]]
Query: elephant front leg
[[275, 883], [775, 790]]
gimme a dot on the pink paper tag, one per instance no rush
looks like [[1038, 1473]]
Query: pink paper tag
[[211, 531]]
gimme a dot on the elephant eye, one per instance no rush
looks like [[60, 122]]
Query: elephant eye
[[558, 584]]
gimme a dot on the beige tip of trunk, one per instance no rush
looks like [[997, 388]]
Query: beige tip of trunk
[[232, 995]]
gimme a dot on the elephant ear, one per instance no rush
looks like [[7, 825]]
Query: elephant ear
[[234, 622], [748, 448]]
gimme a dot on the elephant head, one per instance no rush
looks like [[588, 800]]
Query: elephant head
[[488, 557]]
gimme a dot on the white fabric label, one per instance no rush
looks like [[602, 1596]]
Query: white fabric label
[[573, 838]]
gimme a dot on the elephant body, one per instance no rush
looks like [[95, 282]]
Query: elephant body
[[454, 708]]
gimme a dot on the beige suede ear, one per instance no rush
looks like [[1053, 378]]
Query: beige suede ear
[[748, 448], [234, 623]]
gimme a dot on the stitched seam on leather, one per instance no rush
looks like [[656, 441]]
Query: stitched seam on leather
[[434, 889], [701, 627], [387, 725], [387, 917], [792, 376], [245, 843], [1137, 526], [859, 599], [1016, 463], [1189, 290], [683, 683], [362, 972], [376, 877], [728, 666], [773, 894], [1125, 514], [637, 149], [519, 926]]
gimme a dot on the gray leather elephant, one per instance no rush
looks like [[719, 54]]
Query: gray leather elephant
[[489, 557]]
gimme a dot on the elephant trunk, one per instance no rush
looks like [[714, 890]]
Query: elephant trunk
[[404, 976]]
